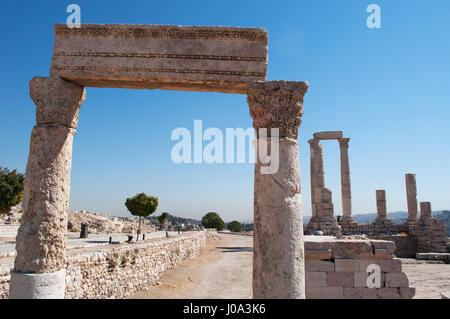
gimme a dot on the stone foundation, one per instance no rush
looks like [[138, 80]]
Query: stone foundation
[[121, 271], [338, 269]]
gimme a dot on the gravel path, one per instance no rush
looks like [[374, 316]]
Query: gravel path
[[223, 271]]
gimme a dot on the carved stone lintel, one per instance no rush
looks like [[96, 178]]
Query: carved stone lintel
[[57, 101], [277, 104]]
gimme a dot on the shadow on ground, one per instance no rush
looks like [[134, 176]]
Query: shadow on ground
[[236, 249]]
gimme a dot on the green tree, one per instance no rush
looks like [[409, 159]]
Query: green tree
[[11, 189], [213, 220], [234, 226], [163, 218], [141, 205]]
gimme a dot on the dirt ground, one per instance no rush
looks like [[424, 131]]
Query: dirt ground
[[223, 270]]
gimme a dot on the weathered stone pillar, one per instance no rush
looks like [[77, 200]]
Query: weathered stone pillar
[[41, 241], [278, 257], [320, 171], [319, 177], [425, 211], [381, 208], [411, 197], [312, 145], [345, 182]]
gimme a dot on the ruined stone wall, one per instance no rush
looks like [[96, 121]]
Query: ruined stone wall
[[405, 246], [119, 272], [337, 269], [431, 236], [428, 233], [355, 229]]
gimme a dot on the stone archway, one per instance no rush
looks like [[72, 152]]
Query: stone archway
[[210, 59]]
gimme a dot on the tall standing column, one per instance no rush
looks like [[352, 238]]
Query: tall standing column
[[319, 177], [41, 241], [346, 191], [411, 197], [278, 257], [312, 145]]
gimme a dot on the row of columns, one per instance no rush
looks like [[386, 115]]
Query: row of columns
[[278, 259], [411, 197], [318, 179]]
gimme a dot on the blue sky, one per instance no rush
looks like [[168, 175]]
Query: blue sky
[[387, 89]]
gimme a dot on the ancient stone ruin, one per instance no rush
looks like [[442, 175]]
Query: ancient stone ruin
[[210, 59], [207, 59], [424, 235]]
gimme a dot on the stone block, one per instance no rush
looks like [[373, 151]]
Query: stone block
[[317, 247], [328, 135], [346, 265], [318, 254], [316, 279], [324, 293], [397, 280], [352, 249], [340, 279], [407, 293], [361, 279], [386, 265], [360, 293], [388, 293], [197, 58], [318, 265]]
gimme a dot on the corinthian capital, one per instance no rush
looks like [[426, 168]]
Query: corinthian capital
[[343, 142], [277, 104], [57, 101]]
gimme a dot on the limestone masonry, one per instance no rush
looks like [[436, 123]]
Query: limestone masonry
[[334, 268], [338, 269], [218, 59], [118, 272]]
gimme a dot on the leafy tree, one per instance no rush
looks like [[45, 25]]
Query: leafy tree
[[11, 189], [141, 205], [213, 220], [234, 226], [163, 218]]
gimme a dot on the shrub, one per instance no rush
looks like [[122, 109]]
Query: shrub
[[213, 220], [11, 189], [141, 205], [234, 226]]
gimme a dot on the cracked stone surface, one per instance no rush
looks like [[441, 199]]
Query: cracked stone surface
[[41, 239]]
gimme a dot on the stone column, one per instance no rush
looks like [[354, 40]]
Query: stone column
[[425, 211], [319, 177], [381, 208], [278, 257], [411, 197], [345, 182], [41, 241], [312, 145], [320, 171]]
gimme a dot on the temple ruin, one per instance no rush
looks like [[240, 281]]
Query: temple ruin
[[207, 59], [424, 234]]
